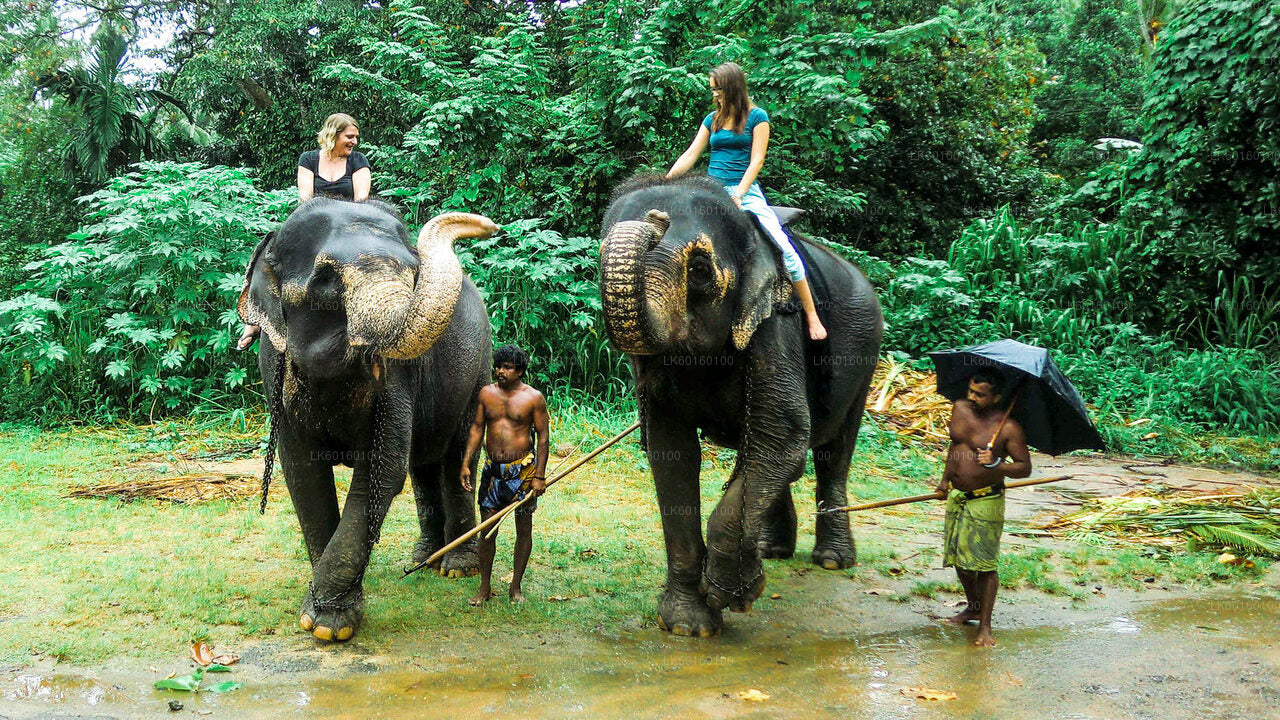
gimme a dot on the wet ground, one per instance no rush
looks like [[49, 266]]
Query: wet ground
[[825, 648]]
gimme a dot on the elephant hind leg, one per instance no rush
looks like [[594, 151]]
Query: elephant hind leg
[[834, 548], [777, 538], [426, 496]]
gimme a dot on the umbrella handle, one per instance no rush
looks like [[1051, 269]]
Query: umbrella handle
[[1000, 427]]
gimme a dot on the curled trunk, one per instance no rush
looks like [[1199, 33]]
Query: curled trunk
[[402, 315]]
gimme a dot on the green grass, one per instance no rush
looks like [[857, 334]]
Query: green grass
[[90, 579]]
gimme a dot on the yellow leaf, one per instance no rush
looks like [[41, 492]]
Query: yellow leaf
[[923, 693], [752, 695]]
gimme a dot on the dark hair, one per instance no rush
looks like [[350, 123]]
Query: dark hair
[[511, 355], [989, 377], [735, 104]]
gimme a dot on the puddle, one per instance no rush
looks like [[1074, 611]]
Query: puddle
[[1214, 656]]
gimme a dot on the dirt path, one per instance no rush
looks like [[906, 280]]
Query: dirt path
[[825, 647]]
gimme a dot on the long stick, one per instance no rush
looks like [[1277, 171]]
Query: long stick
[[480, 528], [937, 495]]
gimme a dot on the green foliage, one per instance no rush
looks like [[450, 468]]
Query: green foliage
[[1074, 291], [1205, 182], [113, 126], [958, 107], [541, 292], [1096, 69], [136, 310]]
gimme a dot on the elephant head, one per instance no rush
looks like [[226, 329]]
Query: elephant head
[[338, 284], [682, 269]]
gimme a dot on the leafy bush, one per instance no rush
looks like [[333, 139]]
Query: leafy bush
[[135, 312], [541, 292]]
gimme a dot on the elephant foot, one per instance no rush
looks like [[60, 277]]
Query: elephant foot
[[726, 592], [776, 550], [460, 562], [333, 621], [424, 549], [686, 614], [835, 556]]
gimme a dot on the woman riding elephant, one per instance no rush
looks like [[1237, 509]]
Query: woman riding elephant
[[738, 133], [373, 356], [697, 296], [335, 170]]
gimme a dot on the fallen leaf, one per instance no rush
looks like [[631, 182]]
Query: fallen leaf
[[217, 667], [1140, 421], [564, 598], [227, 659], [752, 695], [896, 571], [1229, 559], [1150, 435], [878, 591], [775, 596], [957, 603], [923, 693], [526, 676], [201, 653], [227, 686]]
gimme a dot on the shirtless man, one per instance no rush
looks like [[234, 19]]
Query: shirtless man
[[975, 473], [509, 413]]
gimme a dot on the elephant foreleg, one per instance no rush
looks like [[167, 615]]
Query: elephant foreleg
[[676, 456], [315, 501], [335, 603]]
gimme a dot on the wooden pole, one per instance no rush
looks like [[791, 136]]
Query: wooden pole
[[937, 495], [497, 517]]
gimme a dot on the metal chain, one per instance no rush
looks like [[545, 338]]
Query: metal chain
[[276, 413], [743, 456]]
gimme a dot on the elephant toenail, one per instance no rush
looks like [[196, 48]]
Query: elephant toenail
[[306, 621], [830, 564], [346, 633], [323, 633], [682, 630]]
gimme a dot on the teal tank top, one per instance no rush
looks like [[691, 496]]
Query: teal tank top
[[730, 151]]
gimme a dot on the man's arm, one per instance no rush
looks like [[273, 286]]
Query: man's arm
[[541, 423], [1019, 463], [473, 443]]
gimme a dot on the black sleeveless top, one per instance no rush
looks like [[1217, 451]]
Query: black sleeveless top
[[340, 188]]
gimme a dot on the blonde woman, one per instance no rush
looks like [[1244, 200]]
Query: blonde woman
[[738, 133], [336, 170]]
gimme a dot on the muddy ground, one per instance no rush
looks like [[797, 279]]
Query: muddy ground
[[825, 647]]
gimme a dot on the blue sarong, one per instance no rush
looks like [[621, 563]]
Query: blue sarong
[[504, 483]]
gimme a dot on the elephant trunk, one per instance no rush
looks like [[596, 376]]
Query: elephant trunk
[[641, 286], [401, 315]]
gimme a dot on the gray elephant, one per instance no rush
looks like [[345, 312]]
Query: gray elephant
[[694, 293], [372, 357]]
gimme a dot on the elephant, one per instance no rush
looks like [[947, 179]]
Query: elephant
[[372, 355], [694, 294]]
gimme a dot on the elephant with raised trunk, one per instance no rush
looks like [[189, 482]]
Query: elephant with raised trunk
[[372, 356], [695, 294]]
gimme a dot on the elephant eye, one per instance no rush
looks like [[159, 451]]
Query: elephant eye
[[701, 273]]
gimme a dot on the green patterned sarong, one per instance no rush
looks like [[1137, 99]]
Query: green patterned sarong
[[971, 535]]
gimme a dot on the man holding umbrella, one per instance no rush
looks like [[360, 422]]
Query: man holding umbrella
[[982, 437], [989, 443]]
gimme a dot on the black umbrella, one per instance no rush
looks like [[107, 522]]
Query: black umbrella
[[1046, 404]]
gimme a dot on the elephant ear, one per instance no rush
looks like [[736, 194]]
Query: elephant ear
[[756, 281], [259, 302]]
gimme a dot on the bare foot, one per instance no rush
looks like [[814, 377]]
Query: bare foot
[[964, 616], [482, 597], [984, 638], [516, 596], [816, 329]]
